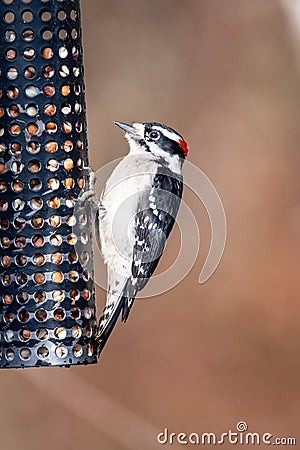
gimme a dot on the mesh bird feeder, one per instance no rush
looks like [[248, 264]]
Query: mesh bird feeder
[[47, 312]]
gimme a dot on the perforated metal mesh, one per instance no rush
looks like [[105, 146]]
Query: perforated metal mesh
[[47, 312]]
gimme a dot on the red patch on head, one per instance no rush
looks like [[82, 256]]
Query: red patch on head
[[183, 145]]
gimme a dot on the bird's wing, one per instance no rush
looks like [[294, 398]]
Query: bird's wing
[[153, 225]]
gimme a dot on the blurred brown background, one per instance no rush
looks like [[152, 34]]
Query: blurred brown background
[[198, 358]]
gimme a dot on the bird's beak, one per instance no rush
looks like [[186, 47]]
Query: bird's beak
[[132, 131], [128, 128]]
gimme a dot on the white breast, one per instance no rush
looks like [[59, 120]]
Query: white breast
[[120, 200]]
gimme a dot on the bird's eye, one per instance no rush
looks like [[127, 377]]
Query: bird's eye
[[154, 135]]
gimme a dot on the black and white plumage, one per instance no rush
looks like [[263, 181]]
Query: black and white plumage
[[138, 207]]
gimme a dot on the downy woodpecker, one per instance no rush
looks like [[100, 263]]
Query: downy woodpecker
[[137, 211]]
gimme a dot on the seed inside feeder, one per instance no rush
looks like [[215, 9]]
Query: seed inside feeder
[[72, 238], [5, 241], [33, 147], [37, 222], [17, 167], [51, 127], [89, 350], [15, 129], [52, 165], [20, 241], [35, 184], [68, 164], [2, 167], [34, 166], [76, 71], [54, 202], [38, 259], [36, 203], [73, 276], [9, 354], [18, 204], [49, 109], [11, 54], [42, 334], [28, 35], [64, 71], [22, 297], [77, 108], [71, 220], [10, 36], [66, 108], [32, 110], [51, 146], [48, 71], [60, 333], [59, 314], [43, 352], [74, 294], [31, 91], [49, 90], [25, 353], [63, 52], [55, 221], [24, 335], [21, 260], [57, 277], [69, 183], [38, 240], [76, 332], [68, 146], [23, 315], [58, 295], [75, 313], [75, 52], [47, 52], [41, 315], [61, 351], [53, 183], [39, 277], [3, 205], [7, 298], [56, 258], [19, 222], [65, 90], [12, 73], [56, 239], [13, 92], [8, 317], [32, 128], [9, 335], [29, 72], [2, 149], [29, 53], [77, 350], [3, 186], [5, 261], [72, 257], [40, 296]]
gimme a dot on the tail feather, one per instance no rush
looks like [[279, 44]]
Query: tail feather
[[107, 323], [116, 303], [126, 308]]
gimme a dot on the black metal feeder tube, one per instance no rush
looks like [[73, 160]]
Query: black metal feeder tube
[[47, 300]]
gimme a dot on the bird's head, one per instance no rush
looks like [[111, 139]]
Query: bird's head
[[161, 140]]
